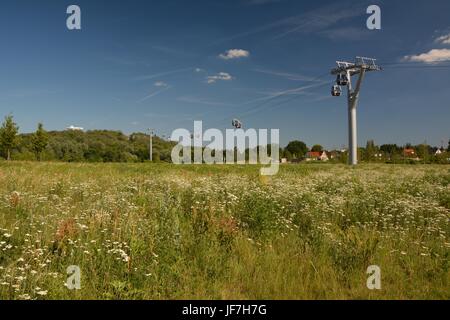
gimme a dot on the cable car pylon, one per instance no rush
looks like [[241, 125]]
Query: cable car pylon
[[344, 72]]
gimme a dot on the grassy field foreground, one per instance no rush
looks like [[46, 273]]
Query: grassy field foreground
[[141, 231]]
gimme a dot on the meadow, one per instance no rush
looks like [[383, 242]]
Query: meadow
[[159, 231]]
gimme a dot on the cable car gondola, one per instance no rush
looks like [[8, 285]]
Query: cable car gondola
[[236, 124], [336, 91], [342, 80]]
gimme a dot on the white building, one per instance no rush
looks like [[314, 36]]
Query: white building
[[73, 128]]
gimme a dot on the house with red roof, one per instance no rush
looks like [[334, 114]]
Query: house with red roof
[[409, 153], [317, 156]]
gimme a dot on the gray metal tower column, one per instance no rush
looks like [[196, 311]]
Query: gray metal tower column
[[360, 67], [352, 126], [352, 118]]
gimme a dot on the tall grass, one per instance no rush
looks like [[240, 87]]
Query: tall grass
[[223, 232]]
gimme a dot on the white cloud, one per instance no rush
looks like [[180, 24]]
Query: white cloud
[[296, 91], [432, 56], [234, 54], [444, 39], [289, 76], [346, 33], [162, 74], [222, 76], [196, 100], [309, 22], [151, 95], [160, 84], [258, 2]]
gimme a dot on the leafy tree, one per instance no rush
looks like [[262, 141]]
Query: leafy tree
[[156, 156], [287, 154], [391, 150], [423, 152], [360, 152], [448, 148], [8, 135], [370, 150], [317, 148], [344, 157], [297, 148], [40, 141]]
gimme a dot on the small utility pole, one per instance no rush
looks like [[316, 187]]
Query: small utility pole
[[345, 71], [151, 144]]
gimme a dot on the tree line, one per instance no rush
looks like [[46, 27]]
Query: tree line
[[79, 146], [114, 146], [390, 153]]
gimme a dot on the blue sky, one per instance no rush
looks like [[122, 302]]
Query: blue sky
[[163, 64]]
